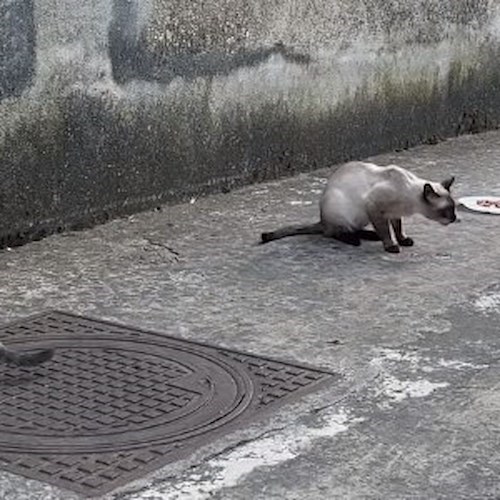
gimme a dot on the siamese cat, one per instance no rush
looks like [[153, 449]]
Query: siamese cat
[[24, 358], [360, 193]]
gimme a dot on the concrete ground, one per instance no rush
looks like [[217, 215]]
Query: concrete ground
[[415, 336]]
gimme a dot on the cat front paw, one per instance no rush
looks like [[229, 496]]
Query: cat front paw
[[406, 242], [392, 248]]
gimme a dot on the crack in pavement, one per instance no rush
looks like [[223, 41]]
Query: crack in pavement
[[158, 244]]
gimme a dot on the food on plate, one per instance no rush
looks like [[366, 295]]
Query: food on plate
[[488, 203]]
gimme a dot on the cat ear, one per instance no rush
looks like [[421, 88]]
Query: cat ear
[[448, 182], [429, 192]]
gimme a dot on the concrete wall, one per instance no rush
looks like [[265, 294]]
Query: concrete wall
[[112, 106]]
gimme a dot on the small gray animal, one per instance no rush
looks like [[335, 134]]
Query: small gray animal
[[24, 358], [360, 193]]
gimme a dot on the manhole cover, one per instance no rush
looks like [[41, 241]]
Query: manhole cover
[[116, 402]]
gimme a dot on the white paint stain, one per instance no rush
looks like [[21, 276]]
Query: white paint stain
[[399, 390], [415, 362], [489, 302], [460, 365], [399, 356], [396, 390], [226, 471]]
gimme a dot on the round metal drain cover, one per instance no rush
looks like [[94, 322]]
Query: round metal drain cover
[[109, 395]]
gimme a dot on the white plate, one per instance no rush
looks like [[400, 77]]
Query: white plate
[[470, 202]]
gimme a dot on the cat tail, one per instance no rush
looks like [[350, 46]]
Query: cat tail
[[292, 231], [24, 358]]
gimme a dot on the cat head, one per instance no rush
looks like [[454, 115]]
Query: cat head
[[438, 203]]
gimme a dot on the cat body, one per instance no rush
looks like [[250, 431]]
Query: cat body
[[360, 193]]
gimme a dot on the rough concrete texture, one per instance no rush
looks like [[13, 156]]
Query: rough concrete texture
[[119, 106], [414, 336]]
